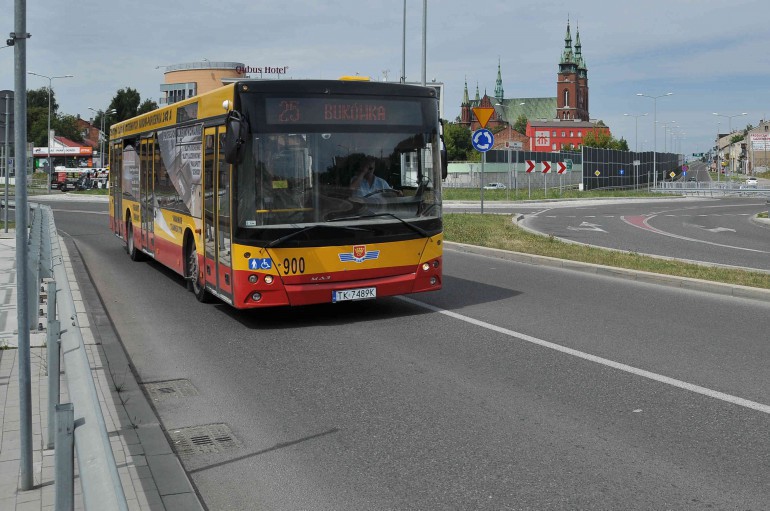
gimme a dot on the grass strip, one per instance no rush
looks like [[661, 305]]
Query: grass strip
[[499, 231]]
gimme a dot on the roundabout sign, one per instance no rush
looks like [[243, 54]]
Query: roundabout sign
[[482, 140]]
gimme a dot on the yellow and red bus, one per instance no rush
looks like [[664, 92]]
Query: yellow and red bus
[[250, 191]]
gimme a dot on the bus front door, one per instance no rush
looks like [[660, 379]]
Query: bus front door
[[216, 215]]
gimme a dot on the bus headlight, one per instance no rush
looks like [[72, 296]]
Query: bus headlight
[[253, 279], [256, 296], [268, 279], [433, 281], [425, 266]]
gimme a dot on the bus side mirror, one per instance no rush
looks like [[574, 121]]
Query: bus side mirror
[[235, 137]]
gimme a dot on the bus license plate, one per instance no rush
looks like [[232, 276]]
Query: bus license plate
[[364, 293]]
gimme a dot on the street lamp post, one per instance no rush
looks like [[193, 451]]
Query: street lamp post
[[102, 136], [48, 133], [666, 131], [636, 129], [730, 127], [655, 132]]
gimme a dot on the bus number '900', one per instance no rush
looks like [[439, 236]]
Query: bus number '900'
[[293, 265]]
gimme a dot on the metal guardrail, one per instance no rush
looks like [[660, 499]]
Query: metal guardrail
[[82, 421], [713, 188]]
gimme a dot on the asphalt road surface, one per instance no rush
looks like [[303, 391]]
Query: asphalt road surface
[[514, 387], [718, 231]]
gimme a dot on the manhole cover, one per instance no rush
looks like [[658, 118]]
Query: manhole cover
[[170, 389], [210, 439]]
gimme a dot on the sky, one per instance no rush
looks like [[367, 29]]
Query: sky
[[711, 54]]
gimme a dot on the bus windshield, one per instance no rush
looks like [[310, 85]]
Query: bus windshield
[[289, 181]]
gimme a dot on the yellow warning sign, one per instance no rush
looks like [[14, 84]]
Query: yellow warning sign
[[483, 114]]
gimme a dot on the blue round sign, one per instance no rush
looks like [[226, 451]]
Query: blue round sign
[[482, 140]]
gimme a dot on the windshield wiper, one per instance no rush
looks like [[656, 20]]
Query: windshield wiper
[[416, 229], [294, 234]]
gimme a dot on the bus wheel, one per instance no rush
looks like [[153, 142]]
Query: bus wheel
[[194, 283], [133, 253]]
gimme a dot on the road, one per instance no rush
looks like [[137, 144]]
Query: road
[[515, 387], [719, 231]]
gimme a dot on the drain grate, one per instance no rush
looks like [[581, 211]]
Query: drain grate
[[210, 439], [170, 389]]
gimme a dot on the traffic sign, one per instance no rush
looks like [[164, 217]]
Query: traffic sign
[[597, 173], [483, 114], [483, 140], [622, 171], [530, 165], [546, 166], [560, 167], [672, 173]]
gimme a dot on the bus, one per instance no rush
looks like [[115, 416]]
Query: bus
[[248, 191]]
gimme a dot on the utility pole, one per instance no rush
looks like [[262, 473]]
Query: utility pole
[[19, 41]]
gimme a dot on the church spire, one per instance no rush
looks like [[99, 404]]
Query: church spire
[[499, 84], [466, 100], [478, 98], [579, 51], [566, 56]]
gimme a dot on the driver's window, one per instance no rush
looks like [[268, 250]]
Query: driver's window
[[369, 176]]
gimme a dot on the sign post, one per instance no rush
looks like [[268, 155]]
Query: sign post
[[546, 168], [482, 141], [636, 172], [530, 168]]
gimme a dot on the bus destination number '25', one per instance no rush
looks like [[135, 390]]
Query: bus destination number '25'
[[293, 265], [289, 111]]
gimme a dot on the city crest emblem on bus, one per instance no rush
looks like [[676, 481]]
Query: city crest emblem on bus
[[359, 255]]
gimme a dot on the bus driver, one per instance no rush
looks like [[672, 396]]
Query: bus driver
[[365, 183]]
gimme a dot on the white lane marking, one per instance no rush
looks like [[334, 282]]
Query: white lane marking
[[646, 226], [586, 226], [753, 405], [715, 229]]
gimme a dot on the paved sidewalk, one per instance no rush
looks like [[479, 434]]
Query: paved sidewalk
[[152, 476]]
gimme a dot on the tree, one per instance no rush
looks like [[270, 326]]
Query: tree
[[126, 103], [604, 140], [37, 115], [147, 105], [521, 124], [39, 98], [67, 126], [37, 119], [458, 142]]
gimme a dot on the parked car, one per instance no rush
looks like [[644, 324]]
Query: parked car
[[752, 181], [495, 186]]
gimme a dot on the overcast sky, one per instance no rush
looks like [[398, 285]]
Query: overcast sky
[[712, 54]]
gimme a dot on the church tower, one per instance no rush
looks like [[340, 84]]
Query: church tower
[[572, 81], [499, 95]]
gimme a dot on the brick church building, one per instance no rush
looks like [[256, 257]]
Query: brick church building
[[553, 123]]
